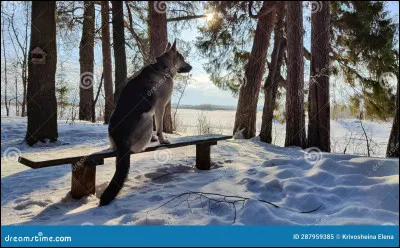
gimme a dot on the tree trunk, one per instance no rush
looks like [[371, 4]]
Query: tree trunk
[[24, 88], [25, 64], [158, 43], [274, 77], [16, 97], [86, 59], [248, 96], [318, 98], [393, 145], [5, 75], [41, 94], [107, 63], [119, 47], [295, 131]]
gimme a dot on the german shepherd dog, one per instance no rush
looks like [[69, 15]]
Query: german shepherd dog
[[131, 125]]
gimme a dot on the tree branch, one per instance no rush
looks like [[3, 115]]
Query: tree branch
[[183, 18], [263, 11], [134, 35]]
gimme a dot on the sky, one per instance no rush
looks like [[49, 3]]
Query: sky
[[200, 89]]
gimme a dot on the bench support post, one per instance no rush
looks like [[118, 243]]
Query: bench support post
[[83, 180], [203, 151]]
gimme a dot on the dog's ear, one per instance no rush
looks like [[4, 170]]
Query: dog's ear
[[173, 48], [168, 47]]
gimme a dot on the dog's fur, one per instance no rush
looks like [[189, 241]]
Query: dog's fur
[[131, 125]]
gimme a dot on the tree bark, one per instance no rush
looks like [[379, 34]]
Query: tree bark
[[5, 74], [119, 47], [274, 77], [295, 131], [158, 43], [86, 59], [107, 63], [393, 145], [318, 103], [248, 96], [41, 94]]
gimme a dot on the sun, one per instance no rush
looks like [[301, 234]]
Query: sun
[[210, 16]]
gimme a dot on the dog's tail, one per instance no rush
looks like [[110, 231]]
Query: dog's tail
[[121, 173]]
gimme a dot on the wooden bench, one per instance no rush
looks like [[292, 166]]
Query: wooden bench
[[84, 166]]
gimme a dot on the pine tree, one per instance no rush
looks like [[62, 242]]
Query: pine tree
[[41, 95], [107, 63], [295, 131], [246, 111], [318, 103], [158, 43], [393, 145], [119, 47], [86, 59], [274, 77]]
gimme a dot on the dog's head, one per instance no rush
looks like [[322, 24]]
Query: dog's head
[[174, 59]]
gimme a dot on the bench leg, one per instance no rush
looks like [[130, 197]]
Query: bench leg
[[203, 161], [83, 181]]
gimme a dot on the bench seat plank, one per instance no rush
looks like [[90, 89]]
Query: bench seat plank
[[96, 158]]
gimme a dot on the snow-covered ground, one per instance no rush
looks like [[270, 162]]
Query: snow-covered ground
[[164, 187]]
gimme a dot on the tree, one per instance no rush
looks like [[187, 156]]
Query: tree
[[158, 43], [363, 49], [393, 145], [5, 72], [119, 47], [274, 77], [246, 111], [107, 66], [295, 131], [41, 97], [20, 44], [318, 103], [86, 59]]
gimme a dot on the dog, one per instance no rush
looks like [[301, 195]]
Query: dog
[[131, 124]]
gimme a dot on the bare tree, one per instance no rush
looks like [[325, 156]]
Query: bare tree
[[295, 131], [248, 97], [41, 96], [5, 72], [119, 47], [107, 66], [20, 45]]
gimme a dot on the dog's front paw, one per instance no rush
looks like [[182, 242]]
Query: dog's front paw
[[165, 141], [154, 138]]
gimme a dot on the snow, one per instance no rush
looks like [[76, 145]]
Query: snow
[[347, 189]]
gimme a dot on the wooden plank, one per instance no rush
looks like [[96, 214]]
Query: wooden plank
[[108, 153]]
